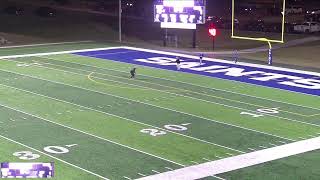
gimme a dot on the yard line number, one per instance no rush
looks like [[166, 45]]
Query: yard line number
[[28, 155], [261, 112], [170, 127]]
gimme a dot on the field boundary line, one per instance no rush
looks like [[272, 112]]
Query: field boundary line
[[183, 82], [45, 44], [92, 135], [239, 162], [168, 53], [127, 119], [216, 121], [211, 102], [48, 155], [91, 76]]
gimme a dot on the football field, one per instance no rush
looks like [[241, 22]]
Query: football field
[[80, 110]]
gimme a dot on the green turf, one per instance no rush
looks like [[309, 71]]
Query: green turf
[[54, 101]]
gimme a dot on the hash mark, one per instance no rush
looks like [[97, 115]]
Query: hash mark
[[272, 144], [169, 168], [142, 174], [126, 177], [251, 149], [230, 154], [219, 157], [282, 142], [71, 145], [194, 162], [156, 171], [263, 147], [186, 124]]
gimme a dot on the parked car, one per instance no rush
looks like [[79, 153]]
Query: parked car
[[14, 10], [307, 27], [46, 12]]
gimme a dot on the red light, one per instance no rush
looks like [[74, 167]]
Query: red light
[[213, 31]]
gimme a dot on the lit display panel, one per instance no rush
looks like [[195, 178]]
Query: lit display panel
[[183, 14], [26, 170]]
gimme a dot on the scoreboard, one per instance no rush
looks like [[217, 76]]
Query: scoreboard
[[183, 14]]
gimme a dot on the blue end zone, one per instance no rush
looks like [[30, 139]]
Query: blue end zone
[[286, 80]]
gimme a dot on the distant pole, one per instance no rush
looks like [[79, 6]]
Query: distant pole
[[194, 39], [120, 24]]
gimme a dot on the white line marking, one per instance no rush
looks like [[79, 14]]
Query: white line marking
[[220, 122], [71, 145], [272, 144], [127, 177], [263, 147], [251, 149], [194, 162], [96, 49], [70, 164], [166, 91], [169, 168], [239, 162], [186, 124], [282, 142], [45, 44], [218, 177], [142, 174], [92, 135], [184, 96], [126, 119], [156, 171], [230, 154], [219, 157]]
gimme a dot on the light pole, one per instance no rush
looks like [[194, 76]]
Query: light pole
[[120, 24]]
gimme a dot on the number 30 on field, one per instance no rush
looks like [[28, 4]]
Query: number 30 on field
[[28, 155]]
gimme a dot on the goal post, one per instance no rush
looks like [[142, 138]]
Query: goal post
[[263, 39]]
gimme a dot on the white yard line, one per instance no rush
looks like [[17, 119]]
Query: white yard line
[[238, 162], [182, 55], [166, 91], [220, 122], [137, 122], [70, 164], [44, 44], [212, 102], [92, 135], [188, 83]]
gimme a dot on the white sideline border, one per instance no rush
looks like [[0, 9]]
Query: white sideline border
[[165, 53], [238, 162]]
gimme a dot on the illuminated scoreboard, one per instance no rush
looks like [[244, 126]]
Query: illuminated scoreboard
[[26, 170], [183, 14]]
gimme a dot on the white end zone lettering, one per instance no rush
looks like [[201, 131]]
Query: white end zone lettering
[[273, 76], [235, 72]]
